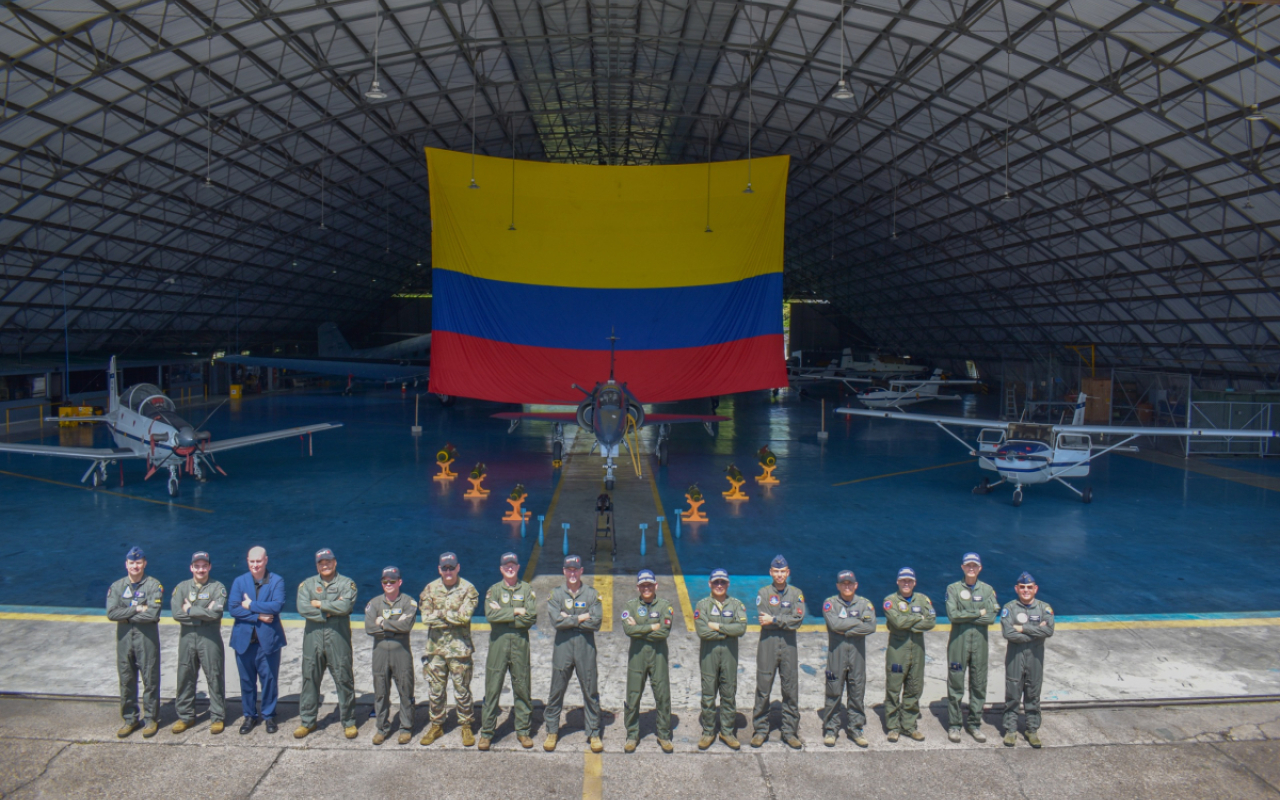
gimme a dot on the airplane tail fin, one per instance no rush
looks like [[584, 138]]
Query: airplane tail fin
[[1078, 417], [846, 358], [330, 342], [113, 394]]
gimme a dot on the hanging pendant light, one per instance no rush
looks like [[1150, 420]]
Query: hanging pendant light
[[842, 89], [375, 89]]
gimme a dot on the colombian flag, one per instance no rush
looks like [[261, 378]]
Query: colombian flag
[[536, 268]]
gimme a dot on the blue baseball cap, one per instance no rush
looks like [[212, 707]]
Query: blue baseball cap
[[846, 576], [646, 576], [1026, 578], [971, 558], [719, 575], [906, 572], [778, 563], [390, 573], [135, 554]]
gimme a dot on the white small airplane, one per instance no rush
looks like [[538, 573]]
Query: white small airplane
[[906, 392], [145, 424], [852, 370], [1024, 453]]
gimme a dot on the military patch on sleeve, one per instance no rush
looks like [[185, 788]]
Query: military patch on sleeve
[[757, 599], [801, 596], [626, 614], [1048, 609], [697, 614], [1004, 612], [888, 605], [826, 606], [666, 621]]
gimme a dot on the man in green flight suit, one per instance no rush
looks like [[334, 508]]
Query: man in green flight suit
[[646, 619], [389, 619], [197, 606], [719, 620], [972, 608], [1025, 622], [781, 610], [850, 620], [133, 603], [908, 614], [576, 613], [512, 609], [325, 601], [446, 605]]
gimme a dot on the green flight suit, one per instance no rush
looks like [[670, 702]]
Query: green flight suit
[[777, 654], [971, 609], [848, 626], [447, 614], [648, 625], [200, 647], [392, 656], [718, 659], [326, 644], [907, 618], [1024, 659], [135, 608], [508, 652], [574, 650]]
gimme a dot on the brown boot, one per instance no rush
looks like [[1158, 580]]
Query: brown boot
[[468, 736], [405, 737], [379, 737], [549, 744], [432, 733], [525, 740], [705, 741], [597, 746], [127, 728], [483, 744], [730, 740], [216, 728], [152, 729], [180, 726]]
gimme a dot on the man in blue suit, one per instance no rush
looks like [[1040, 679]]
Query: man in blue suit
[[255, 601]]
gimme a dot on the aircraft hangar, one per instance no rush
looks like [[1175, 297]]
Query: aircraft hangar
[[401, 278]]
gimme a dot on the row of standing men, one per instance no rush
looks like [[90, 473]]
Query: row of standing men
[[326, 600]]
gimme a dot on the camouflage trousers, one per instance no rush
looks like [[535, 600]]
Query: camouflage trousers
[[438, 670]]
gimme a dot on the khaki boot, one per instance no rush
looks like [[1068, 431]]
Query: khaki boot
[[525, 741], [1033, 739], [351, 731], [128, 728], [978, 735], [666, 746], [757, 740], [730, 740], [549, 744], [405, 737], [893, 736], [859, 738], [433, 732], [152, 729], [379, 737], [301, 731], [954, 734], [917, 735], [705, 741], [597, 746], [180, 726], [792, 741], [829, 740], [1010, 739], [483, 744], [216, 728], [468, 736], [630, 746]]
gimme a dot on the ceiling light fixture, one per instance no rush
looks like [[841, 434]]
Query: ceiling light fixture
[[750, 113], [375, 90], [842, 89], [1255, 115], [475, 80]]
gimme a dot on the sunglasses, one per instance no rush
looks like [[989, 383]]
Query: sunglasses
[[390, 583], [448, 569]]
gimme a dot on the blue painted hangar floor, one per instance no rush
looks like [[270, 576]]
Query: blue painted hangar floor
[[1165, 586]]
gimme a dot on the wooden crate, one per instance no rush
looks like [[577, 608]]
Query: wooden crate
[[1097, 408]]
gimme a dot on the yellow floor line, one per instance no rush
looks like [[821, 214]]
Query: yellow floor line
[[904, 472], [106, 491], [604, 587], [1259, 481], [682, 591], [592, 776]]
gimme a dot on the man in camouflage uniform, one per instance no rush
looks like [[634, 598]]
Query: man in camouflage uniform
[[197, 606], [908, 614], [511, 608], [133, 603], [972, 608], [389, 619], [850, 620], [446, 605], [781, 610], [1025, 622], [576, 613], [646, 620], [719, 620], [325, 601]]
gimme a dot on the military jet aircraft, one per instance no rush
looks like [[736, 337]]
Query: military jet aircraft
[[145, 424], [611, 412], [1025, 453], [403, 361]]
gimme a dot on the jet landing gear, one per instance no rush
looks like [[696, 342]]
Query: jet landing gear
[[557, 445], [664, 447]]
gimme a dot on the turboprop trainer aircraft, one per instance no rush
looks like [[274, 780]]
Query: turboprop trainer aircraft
[[406, 360], [145, 424], [611, 412], [1025, 453], [905, 392]]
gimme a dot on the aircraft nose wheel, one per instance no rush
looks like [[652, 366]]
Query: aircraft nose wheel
[[662, 453], [1017, 496], [1086, 496], [982, 488], [173, 487]]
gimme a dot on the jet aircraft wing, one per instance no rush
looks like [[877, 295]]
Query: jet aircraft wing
[[1139, 430], [258, 438], [675, 419], [965, 421], [88, 453], [649, 419], [369, 369], [541, 416]]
